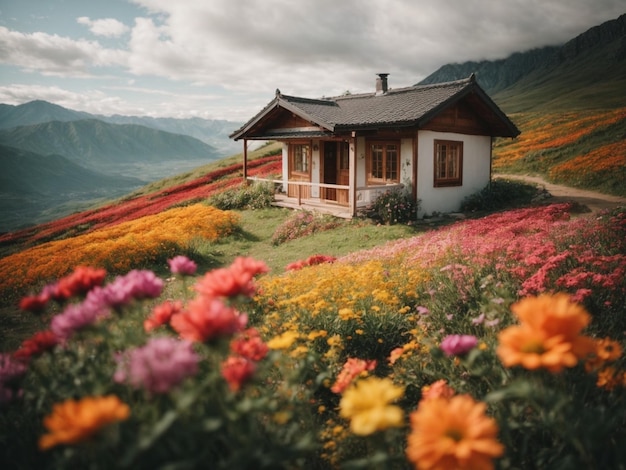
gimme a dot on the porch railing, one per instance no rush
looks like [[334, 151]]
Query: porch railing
[[300, 194]]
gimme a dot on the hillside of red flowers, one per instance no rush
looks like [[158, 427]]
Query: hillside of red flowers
[[140, 206]]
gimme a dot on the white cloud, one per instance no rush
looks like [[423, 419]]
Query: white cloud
[[51, 54], [107, 27]]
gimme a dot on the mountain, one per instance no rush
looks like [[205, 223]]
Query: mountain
[[36, 112], [212, 132], [588, 71], [34, 187], [90, 142]]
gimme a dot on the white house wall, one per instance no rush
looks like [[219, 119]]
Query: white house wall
[[476, 171]]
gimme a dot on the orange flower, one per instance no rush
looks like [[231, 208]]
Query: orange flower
[[74, 421], [438, 389], [533, 349], [608, 349], [554, 314], [352, 368], [549, 335], [452, 433]]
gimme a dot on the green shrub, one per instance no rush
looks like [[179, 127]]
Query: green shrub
[[247, 196], [396, 206], [500, 194]]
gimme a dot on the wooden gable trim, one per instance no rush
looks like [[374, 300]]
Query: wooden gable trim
[[459, 118]]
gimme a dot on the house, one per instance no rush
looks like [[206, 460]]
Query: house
[[340, 154]]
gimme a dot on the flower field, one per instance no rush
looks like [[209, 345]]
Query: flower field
[[491, 343], [117, 248], [579, 148], [149, 204]]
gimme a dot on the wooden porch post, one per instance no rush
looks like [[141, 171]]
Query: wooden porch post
[[245, 161], [352, 178]]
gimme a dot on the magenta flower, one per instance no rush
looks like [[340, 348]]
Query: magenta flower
[[160, 365], [182, 265], [76, 317], [10, 368], [135, 285], [458, 345]]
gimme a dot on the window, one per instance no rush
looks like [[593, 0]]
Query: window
[[448, 163], [300, 158], [384, 163]]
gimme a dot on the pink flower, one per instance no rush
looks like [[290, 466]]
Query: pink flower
[[208, 318], [458, 345], [157, 367], [10, 368], [135, 285], [182, 265], [237, 371], [76, 317]]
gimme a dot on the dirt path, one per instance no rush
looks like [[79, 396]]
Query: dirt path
[[593, 200]]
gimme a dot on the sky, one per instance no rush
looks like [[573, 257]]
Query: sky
[[224, 59]]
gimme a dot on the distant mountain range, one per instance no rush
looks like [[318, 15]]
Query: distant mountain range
[[587, 71], [55, 160]]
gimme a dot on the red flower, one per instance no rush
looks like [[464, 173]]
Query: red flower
[[208, 318], [249, 345], [81, 281], [36, 345], [233, 281], [237, 371], [34, 303], [162, 314]]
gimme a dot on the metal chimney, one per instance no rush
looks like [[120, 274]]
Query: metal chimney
[[381, 83]]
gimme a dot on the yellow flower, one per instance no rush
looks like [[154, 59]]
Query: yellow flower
[[74, 421], [283, 341], [367, 405]]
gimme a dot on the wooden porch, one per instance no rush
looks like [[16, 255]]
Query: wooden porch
[[334, 198]]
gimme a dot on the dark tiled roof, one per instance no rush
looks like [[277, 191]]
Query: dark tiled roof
[[400, 107]]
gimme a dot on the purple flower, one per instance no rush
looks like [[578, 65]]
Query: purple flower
[[136, 284], [458, 345], [158, 366], [182, 265], [77, 316], [10, 368]]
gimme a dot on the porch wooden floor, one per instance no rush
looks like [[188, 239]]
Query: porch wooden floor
[[315, 205]]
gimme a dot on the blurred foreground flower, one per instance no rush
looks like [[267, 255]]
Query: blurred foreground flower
[[74, 421], [367, 405], [452, 433], [158, 366], [548, 335]]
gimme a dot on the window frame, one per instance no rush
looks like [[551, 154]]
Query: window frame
[[385, 163], [293, 168], [454, 161]]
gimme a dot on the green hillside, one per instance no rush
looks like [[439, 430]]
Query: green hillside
[[91, 141]]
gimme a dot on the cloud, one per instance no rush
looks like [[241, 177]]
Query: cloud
[[107, 27], [330, 45], [51, 54]]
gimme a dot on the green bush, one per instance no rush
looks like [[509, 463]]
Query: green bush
[[247, 196], [396, 206], [500, 194]]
